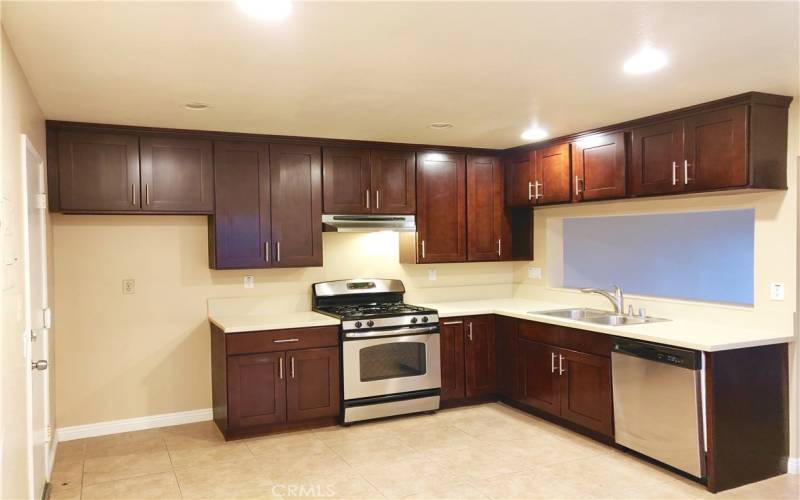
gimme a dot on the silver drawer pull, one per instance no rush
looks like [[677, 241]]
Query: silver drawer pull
[[452, 322], [283, 341]]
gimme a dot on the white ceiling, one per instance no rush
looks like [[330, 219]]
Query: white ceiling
[[384, 71]]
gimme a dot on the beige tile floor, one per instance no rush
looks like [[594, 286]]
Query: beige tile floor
[[487, 451]]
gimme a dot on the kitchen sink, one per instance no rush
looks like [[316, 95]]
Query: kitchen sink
[[598, 317]]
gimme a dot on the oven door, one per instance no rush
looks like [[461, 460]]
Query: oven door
[[391, 365]]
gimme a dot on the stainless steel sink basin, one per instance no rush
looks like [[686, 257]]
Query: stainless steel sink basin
[[598, 317]]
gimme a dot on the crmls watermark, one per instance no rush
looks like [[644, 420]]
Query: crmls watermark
[[303, 490]]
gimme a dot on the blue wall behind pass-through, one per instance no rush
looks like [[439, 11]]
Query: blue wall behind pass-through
[[705, 256]]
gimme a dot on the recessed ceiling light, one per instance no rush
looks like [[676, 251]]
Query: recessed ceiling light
[[646, 60], [196, 106], [534, 134], [440, 125], [271, 11]]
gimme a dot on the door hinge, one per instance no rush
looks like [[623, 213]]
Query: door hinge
[[47, 317], [41, 201], [49, 435]]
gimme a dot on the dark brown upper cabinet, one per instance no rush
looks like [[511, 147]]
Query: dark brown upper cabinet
[[519, 183], [362, 181], [441, 210], [598, 166], [98, 172], [715, 150], [485, 215], [347, 188], [552, 169], [296, 205], [177, 175], [655, 153], [268, 206]]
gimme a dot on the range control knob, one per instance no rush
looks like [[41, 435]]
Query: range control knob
[[370, 323], [358, 324], [424, 319], [414, 319]]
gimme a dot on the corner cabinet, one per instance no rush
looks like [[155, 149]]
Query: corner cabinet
[[468, 357], [268, 206]]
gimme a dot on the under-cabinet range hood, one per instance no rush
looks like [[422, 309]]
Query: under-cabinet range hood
[[368, 223]]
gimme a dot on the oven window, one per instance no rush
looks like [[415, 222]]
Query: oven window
[[392, 360]]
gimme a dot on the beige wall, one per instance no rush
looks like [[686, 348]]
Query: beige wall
[[124, 356], [20, 115]]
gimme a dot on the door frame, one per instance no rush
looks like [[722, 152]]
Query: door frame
[[27, 148]]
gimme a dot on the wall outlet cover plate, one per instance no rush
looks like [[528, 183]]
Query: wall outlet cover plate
[[776, 291]]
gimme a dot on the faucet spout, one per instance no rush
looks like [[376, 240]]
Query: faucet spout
[[615, 296]]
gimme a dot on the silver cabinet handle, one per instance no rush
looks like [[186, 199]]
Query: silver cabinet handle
[[280, 367], [552, 362], [283, 341], [530, 194], [469, 333], [538, 192], [133, 194], [686, 178], [291, 367], [577, 185], [499, 247], [367, 196], [423, 249], [277, 251], [266, 251], [674, 173], [452, 322], [377, 198], [561, 370], [147, 194], [387, 333]]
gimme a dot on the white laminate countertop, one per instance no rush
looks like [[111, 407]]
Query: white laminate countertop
[[255, 322], [681, 333]]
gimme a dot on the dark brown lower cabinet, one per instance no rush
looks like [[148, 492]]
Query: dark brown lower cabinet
[[480, 365], [451, 341], [585, 389], [505, 332], [258, 387], [538, 386]]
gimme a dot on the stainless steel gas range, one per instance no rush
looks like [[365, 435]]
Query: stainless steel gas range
[[390, 349]]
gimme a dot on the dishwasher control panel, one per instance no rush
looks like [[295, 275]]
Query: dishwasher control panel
[[676, 356]]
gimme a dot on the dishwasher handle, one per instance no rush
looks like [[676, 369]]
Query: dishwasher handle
[[675, 356]]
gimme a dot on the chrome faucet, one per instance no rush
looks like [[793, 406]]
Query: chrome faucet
[[616, 297]]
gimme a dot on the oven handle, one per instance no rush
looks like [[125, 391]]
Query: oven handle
[[388, 333]]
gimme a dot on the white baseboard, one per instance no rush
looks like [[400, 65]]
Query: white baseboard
[[793, 465], [133, 424]]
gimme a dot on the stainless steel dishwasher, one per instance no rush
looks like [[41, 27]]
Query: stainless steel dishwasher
[[658, 403]]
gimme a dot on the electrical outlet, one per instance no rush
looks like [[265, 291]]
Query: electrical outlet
[[535, 273], [128, 287], [776, 291], [249, 281], [431, 274]]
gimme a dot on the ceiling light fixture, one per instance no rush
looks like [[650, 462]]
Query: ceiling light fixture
[[196, 106], [440, 125], [534, 134], [646, 60], [271, 11]]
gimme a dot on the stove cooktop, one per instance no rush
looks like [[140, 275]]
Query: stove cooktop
[[373, 310]]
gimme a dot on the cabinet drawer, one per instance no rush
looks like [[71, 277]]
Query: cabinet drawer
[[282, 340], [568, 338]]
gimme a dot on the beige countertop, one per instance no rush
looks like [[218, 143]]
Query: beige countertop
[[681, 333], [234, 323]]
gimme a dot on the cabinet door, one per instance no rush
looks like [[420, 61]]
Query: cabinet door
[[484, 208], [656, 151], [451, 339], [240, 233], [552, 166], [537, 376], [312, 388], [177, 175], [599, 163], [346, 181], [716, 149], [481, 360], [585, 381], [296, 193], [393, 182], [506, 342], [442, 207], [519, 176], [256, 389], [98, 172]]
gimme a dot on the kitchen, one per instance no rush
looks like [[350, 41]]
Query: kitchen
[[482, 232]]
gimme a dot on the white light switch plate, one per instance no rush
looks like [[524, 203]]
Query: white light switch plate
[[249, 281], [776, 291], [128, 287], [431, 274], [535, 273]]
